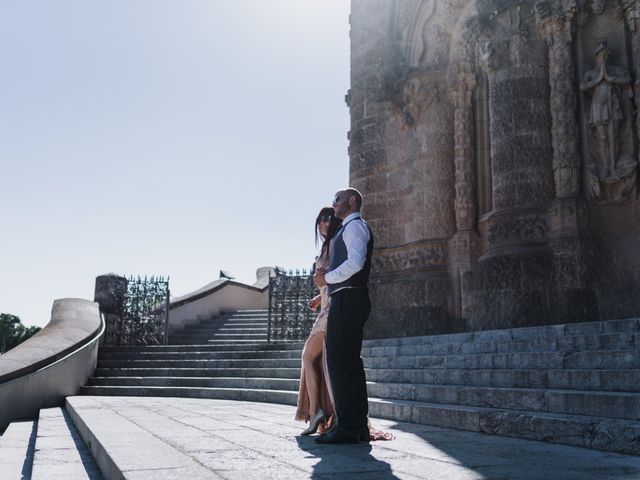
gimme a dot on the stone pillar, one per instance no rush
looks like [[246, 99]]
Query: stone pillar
[[513, 276], [110, 294], [572, 299], [464, 244]]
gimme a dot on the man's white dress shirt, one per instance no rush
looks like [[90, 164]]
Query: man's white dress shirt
[[355, 236]]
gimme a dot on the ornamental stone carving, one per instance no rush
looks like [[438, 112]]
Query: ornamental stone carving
[[496, 144], [420, 255], [528, 226]]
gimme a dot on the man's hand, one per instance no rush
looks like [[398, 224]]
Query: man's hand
[[319, 280]]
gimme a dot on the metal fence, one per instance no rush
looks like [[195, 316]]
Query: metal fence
[[141, 312], [290, 318]]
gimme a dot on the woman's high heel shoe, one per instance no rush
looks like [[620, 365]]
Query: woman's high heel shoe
[[320, 416]]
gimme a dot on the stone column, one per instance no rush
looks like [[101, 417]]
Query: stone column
[[463, 245], [511, 282], [558, 28], [568, 229]]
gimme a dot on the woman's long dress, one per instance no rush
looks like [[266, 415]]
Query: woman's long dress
[[315, 389]]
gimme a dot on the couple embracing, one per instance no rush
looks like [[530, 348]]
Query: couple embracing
[[333, 392]]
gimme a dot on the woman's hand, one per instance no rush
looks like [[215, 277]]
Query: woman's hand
[[314, 303]]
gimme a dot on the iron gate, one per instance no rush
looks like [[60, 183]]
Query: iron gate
[[290, 318], [141, 312]]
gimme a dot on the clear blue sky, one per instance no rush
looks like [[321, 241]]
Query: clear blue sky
[[164, 137]]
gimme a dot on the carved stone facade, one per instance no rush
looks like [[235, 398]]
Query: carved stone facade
[[496, 144]]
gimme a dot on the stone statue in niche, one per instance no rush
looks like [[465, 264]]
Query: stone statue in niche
[[610, 172]]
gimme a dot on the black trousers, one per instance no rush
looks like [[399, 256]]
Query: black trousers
[[348, 313]]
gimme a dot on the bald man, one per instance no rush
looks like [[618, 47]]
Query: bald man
[[347, 279]]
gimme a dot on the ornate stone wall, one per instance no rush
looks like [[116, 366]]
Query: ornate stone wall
[[495, 142]]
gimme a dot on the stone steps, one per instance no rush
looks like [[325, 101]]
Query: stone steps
[[17, 446], [48, 448], [196, 340], [572, 384], [569, 343], [522, 361], [224, 363], [624, 405], [203, 382], [200, 372], [206, 355], [626, 326], [602, 359], [607, 380], [217, 335], [123, 449], [226, 329], [287, 397], [227, 347], [245, 325], [60, 453], [615, 435]]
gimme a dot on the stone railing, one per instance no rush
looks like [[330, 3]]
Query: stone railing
[[52, 364]]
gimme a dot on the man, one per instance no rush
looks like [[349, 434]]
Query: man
[[347, 278]]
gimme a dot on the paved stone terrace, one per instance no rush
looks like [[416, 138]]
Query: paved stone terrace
[[186, 438]]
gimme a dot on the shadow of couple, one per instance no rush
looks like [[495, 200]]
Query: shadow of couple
[[353, 460]]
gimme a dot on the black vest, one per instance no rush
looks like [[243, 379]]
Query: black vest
[[339, 255]]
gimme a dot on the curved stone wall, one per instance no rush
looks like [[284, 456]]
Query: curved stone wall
[[52, 364]]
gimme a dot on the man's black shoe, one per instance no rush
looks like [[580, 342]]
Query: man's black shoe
[[342, 435]]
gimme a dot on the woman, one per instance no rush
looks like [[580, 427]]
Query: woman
[[314, 398]]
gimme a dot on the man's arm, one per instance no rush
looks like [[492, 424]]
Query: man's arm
[[356, 236]]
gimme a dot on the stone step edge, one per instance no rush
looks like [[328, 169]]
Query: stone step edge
[[110, 372], [598, 432], [53, 423], [522, 333], [107, 451], [142, 355], [379, 351], [564, 355], [393, 384], [144, 369], [17, 448], [191, 378], [283, 397], [290, 385], [200, 345], [146, 351]]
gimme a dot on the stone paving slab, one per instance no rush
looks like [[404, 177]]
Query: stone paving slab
[[185, 438]]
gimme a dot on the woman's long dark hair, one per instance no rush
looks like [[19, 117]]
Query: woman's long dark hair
[[334, 225]]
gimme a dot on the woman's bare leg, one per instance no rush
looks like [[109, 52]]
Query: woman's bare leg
[[312, 364]]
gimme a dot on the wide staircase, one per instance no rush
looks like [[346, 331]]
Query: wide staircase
[[576, 384], [233, 328]]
